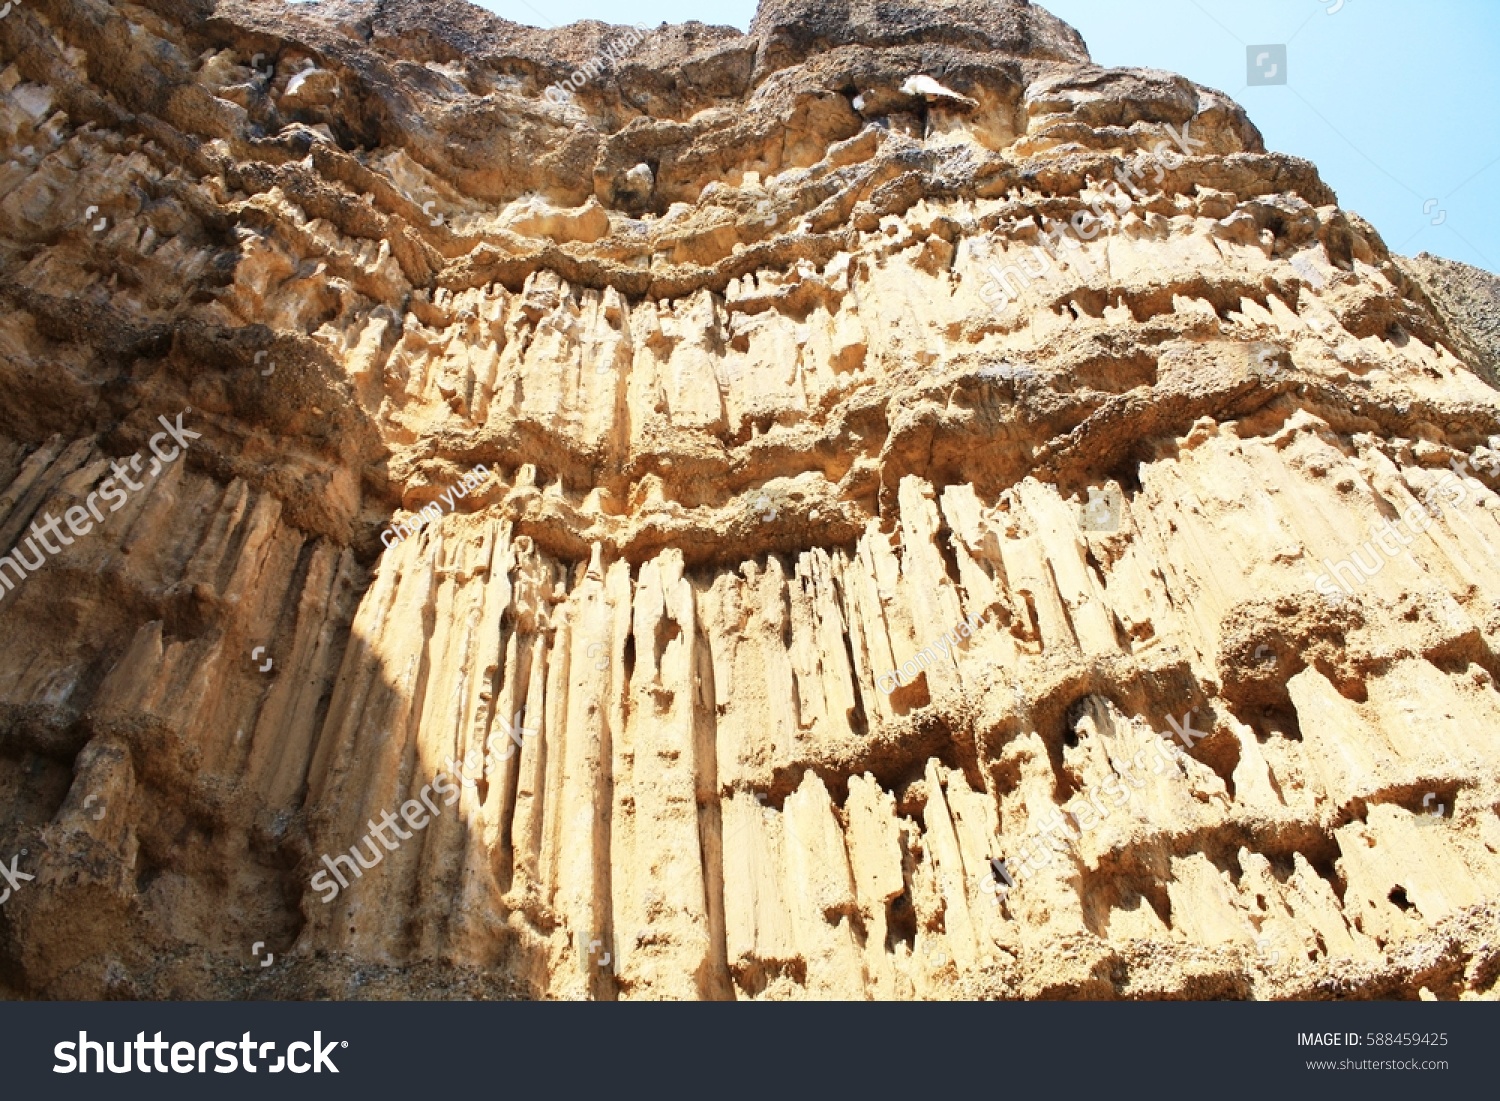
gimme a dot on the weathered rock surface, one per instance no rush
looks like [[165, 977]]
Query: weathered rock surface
[[1468, 299], [719, 325]]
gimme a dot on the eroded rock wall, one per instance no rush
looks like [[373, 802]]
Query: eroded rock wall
[[844, 525]]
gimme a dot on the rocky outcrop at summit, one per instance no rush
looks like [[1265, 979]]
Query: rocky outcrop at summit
[[877, 507]]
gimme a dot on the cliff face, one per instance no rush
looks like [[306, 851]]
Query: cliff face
[[685, 507]]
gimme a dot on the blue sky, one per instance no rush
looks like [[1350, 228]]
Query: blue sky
[[1394, 100]]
